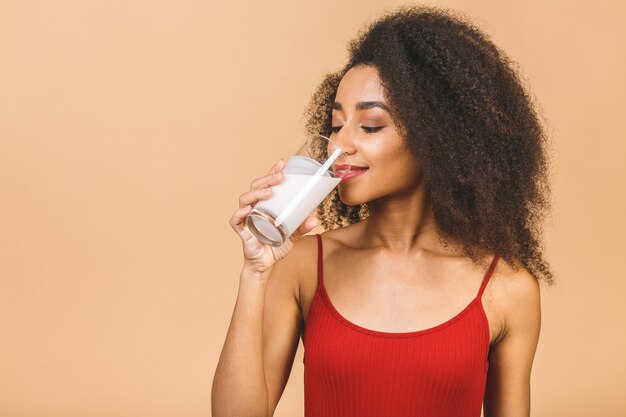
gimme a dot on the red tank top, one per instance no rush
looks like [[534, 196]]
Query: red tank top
[[351, 371]]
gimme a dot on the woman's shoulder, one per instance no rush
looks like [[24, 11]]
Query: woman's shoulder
[[304, 253], [306, 248], [514, 283], [515, 292]]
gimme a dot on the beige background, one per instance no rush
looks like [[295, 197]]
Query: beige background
[[128, 129]]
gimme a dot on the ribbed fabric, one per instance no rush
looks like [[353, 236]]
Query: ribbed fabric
[[351, 371]]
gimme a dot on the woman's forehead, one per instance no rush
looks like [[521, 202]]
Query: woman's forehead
[[360, 83]]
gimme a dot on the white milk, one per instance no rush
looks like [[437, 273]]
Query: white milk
[[283, 194]]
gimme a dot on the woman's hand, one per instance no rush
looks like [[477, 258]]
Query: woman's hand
[[259, 257]]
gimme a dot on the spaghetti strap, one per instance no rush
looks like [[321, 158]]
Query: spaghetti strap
[[488, 275], [319, 261]]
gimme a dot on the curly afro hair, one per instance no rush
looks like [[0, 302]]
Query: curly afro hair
[[461, 106]]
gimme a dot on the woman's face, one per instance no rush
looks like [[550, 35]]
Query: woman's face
[[363, 127]]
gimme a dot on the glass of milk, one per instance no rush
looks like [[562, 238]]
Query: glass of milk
[[309, 176]]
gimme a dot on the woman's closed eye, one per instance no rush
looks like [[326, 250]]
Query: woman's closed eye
[[368, 129], [371, 129]]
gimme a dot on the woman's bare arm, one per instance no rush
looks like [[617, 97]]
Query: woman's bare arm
[[283, 321], [511, 359], [261, 342]]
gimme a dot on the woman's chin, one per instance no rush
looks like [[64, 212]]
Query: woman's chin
[[350, 198]]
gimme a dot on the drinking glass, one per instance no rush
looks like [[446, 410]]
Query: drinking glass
[[309, 177]]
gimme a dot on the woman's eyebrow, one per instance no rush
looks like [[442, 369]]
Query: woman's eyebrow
[[363, 105]]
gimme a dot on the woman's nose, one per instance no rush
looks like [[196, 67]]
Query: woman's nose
[[342, 140]]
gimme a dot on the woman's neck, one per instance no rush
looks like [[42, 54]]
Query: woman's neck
[[404, 226]]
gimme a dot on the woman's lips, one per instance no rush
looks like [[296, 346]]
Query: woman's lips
[[354, 173], [346, 171]]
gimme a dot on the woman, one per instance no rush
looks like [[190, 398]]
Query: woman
[[422, 298]]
